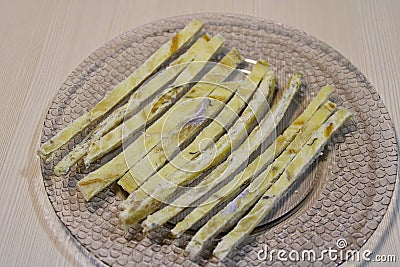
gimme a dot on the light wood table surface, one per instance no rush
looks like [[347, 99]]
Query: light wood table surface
[[42, 41]]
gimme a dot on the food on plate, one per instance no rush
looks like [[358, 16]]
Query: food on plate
[[199, 122]]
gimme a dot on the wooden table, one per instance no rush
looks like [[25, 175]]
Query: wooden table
[[42, 41]]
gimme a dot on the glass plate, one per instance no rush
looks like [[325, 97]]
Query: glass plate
[[344, 195]]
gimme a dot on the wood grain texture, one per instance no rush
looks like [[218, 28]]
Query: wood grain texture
[[42, 41]]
